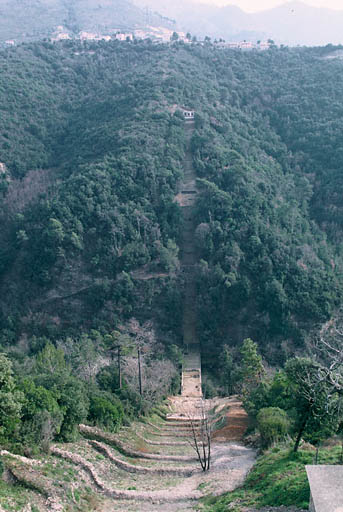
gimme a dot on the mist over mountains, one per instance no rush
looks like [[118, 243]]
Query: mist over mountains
[[292, 23]]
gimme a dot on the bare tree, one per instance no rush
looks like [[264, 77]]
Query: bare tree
[[318, 381], [200, 435], [156, 376], [313, 400], [155, 372], [327, 348]]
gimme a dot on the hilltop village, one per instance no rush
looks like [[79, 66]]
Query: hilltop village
[[157, 35]]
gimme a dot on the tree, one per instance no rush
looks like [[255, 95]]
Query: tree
[[169, 256], [69, 392], [252, 370], [328, 348], [315, 408], [150, 372], [228, 375], [51, 360], [84, 356], [200, 435], [41, 417], [10, 400]]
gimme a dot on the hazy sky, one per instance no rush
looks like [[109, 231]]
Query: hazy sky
[[259, 5]]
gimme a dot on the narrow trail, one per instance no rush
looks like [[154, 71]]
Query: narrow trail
[[191, 373]]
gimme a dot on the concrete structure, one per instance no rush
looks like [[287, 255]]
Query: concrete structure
[[326, 484], [188, 114]]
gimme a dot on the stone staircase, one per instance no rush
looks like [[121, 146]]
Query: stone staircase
[[150, 466], [191, 372]]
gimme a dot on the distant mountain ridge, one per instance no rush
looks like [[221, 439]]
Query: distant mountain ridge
[[291, 23], [25, 20]]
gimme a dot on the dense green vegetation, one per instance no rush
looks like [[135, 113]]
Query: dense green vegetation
[[259, 224], [302, 400], [45, 397], [93, 146], [269, 259]]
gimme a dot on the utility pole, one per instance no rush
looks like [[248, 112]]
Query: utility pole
[[140, 371], [118, 347]]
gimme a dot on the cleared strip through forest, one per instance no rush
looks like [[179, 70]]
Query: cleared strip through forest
[[191, 372]]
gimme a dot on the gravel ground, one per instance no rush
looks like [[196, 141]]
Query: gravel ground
[[274, 509]]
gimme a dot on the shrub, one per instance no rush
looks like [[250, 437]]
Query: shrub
[[41, 415], [273, 425], [105, 411]]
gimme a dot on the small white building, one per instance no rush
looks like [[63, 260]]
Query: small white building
[[189, 115], [326, 484]]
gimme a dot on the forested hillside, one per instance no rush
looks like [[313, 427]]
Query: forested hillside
[[92, 143]]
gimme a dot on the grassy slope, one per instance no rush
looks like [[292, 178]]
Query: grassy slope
[[278, 478]]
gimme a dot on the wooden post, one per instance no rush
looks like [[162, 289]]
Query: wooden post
[[140, 371], [317, 454]]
